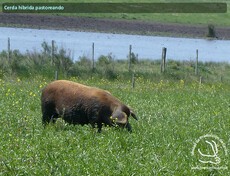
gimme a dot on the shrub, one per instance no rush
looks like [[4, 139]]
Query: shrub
[[105, 65], [211, 31]]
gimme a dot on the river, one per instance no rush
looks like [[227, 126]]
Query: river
[[147, 47]]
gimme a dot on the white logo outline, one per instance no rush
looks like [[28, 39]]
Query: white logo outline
[[215, 150]]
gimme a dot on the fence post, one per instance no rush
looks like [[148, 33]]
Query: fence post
[[52, 52], [201, 79], [196, 64], [56, 75], [130, 52], [133, 80], [163, 59], [93, 63], [8, 48]]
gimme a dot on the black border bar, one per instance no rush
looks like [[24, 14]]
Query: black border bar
[[114, 7]]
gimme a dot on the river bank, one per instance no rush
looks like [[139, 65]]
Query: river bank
[[109, 25]]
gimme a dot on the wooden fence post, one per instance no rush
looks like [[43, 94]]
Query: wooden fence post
[[163, 59], [52, 52], [52, 59], [56, 75], [221, 78], [133, 80], [196, 64], [130, 52], [201, 79], [93, 63], [8, 49]]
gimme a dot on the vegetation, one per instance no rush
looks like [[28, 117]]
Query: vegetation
[[172, 116], [47, 62], [211, 31], [174, 110]]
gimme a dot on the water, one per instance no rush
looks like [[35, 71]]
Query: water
[[147, 47]]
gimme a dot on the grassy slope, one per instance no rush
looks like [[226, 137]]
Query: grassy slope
[[172, 116], [204, 19]]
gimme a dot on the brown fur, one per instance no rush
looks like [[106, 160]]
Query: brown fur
[[80, 104]]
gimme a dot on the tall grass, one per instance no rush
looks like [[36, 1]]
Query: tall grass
[[45, 64], [172, 116]]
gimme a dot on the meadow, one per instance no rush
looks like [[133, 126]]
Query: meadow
[[217, 19], [172, 116], [174, 111]]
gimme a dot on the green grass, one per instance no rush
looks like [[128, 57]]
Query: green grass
[[183, 18], [172, 116]]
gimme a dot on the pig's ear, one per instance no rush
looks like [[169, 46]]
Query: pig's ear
[[119, 117], [133, 115]]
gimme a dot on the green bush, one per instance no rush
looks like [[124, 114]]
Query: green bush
[[211, 31]]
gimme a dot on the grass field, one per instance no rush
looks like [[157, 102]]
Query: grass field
[[172, 116], [219, 19]]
